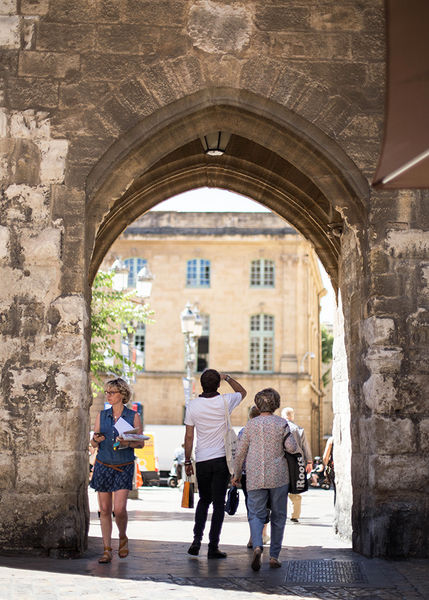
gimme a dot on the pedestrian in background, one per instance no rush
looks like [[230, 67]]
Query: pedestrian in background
[[305, 451], [206, 414]]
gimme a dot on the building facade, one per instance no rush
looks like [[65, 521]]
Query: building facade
[[257, 285]]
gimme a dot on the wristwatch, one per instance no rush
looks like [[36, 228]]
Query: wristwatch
[[227, 377]]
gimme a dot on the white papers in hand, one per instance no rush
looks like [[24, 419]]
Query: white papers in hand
[[122, 426]]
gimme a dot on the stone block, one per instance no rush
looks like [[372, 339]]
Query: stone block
[[424, 435], [111, 67], [336, 18], [220, 29], [8, 7], [28, 33], [279, 17], [27, 203], [381, 395], [385, 435], [82, 94], [26, 379], [3, 122], [24, 93], [42, 247], [154, 13], [384, 360], [298, 44], [63, 38], [363, 126], [387, 285], [72, 311], [400, 472], [378, 330], [4, 241], [54, 65], [411, 243], [34, 7], [30, 124], [21, 161], [52, 165], [10, 34], [7, 466], [137, 98]]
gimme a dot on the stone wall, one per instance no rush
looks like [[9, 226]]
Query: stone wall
[[102, 106]]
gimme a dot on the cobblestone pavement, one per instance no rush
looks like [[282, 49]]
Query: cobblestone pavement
[[315, 564]]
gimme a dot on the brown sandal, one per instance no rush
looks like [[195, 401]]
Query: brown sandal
[[107, 556], [123, 547]]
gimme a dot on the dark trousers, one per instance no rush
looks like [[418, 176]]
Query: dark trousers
[[212, 478]]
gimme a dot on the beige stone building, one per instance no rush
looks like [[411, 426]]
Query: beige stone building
[[257, 285]]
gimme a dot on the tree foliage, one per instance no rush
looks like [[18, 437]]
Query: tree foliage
[[327, 343], [113, 314]]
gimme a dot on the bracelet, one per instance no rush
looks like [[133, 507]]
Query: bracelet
[[188, 462], [227, 377]]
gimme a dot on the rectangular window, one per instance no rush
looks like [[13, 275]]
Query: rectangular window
[[262, 343], [262, 273], [198, 273]]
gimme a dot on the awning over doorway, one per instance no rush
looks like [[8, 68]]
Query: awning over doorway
[[404, 160]]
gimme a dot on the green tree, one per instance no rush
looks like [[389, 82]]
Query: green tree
[[327, 343], [113, 314]]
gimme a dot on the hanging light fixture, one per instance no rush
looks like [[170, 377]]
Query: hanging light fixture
[[144, 282], [215, 144], [120, 275]]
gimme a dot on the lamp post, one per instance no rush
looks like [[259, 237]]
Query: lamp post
[[310, 355], [192, 325]]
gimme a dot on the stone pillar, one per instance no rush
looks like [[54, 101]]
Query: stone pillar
[[390, 430], [43, 351]]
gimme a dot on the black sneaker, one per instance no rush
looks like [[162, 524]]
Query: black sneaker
[[194, 548], [295, 520], [216, 554]]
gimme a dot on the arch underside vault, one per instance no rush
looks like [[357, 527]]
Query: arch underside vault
[[298, 173]]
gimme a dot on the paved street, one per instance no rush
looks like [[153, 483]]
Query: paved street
[[316, 564]]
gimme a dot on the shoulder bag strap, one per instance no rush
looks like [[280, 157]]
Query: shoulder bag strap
[[227, 416]]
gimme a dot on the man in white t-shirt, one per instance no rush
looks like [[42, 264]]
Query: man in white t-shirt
[[206, 415]]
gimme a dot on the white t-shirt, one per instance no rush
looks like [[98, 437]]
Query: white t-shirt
[[207, 415]]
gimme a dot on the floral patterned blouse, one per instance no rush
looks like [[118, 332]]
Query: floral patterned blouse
[[261, 446]]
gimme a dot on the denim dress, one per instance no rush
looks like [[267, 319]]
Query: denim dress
[[113, 469]]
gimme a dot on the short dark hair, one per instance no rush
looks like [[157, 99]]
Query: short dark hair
[[210, 380]]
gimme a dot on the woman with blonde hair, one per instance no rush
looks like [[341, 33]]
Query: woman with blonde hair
[[262, 445], [114, 466]]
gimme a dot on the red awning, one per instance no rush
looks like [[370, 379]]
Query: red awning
[[404, 160]]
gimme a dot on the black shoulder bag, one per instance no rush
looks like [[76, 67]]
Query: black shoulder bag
[[298, 482]]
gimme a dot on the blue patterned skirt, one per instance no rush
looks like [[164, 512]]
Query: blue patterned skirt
[[107, 479]]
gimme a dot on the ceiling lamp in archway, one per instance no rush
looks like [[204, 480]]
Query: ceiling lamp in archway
[[215, 144]]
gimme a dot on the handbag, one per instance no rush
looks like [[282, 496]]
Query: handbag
[[232, 500], [188, 494], [230, 439], [298, 482]]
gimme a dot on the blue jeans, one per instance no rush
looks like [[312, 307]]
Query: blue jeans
[[257, 503]]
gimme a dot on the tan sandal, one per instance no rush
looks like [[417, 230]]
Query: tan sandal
[[123, 547], [107, 556]]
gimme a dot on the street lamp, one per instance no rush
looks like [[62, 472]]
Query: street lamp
[[120, 275], [192, 325], [310, 355], [144, 282]]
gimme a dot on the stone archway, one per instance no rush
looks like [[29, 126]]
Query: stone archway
[[272, 156]]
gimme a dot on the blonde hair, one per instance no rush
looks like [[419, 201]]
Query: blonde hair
[[121, 386], [254, 412]]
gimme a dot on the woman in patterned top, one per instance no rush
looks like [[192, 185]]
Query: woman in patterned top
[[267, 476]]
